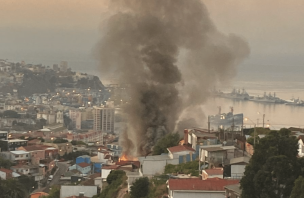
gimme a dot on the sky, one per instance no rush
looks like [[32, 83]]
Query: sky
[[44, 31]]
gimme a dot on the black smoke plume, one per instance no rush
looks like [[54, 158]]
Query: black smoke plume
[[170, 53]]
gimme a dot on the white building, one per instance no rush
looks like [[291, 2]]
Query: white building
[[152, 165], [238, 166], [84, 191], [59, 117]]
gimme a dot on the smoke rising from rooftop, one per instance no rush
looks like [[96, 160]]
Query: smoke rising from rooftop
[[170, 53]]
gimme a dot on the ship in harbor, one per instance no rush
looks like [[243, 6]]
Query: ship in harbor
[[268, 99], [295, 102], [226, 120], [235, 94]]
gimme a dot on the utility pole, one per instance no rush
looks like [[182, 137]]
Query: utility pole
[[263, 119], [254, 134]]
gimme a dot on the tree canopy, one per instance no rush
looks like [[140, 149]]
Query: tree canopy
[[169, 140], [12, 188], [60, 140], [298, 189], [10, 114], [5, 163], [114, 175], [140, 188], [273, 167]]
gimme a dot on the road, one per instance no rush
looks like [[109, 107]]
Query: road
[[62, 168]]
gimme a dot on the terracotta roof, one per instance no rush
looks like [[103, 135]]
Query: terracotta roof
[[83, 164], [112, 167], [212, 184], [77, 197], [180, 148], [38, 194], [35, 147], [7, 171], [214, 171], [124, 163], [34, 141]]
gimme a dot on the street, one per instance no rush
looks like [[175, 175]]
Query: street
[[62, 168]]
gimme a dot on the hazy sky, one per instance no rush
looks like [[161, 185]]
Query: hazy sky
[[44, 31]]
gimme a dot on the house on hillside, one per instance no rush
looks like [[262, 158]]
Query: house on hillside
[[7, 174], [185, 153], [197, 188], [216, 155], [236, 167]]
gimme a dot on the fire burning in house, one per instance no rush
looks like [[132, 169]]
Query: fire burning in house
[[126, 158]]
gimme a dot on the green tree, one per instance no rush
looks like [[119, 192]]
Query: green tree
[[28, 182], [114, 175], [273, 167], [298, 189], [11, 188], [169, 140], [5, 163], [140, 188], [10, 114], [60, 140], [115, 180]]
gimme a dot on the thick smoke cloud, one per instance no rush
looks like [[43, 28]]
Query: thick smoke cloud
[[170, 53]]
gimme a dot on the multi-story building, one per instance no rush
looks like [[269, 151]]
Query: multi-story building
[[104, 119], [3, 135], [12, 145], [59, 117], [90, 136], [75, 116], [63, 66]]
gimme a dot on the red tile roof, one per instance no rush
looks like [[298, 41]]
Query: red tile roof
[[35, 147], [112, 167], [215, 171], [125, 163], [7, 171], [212, 184], [83, 164], [180, 148]]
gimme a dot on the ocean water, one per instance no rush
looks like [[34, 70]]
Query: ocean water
[[276, 115], [285, 81]]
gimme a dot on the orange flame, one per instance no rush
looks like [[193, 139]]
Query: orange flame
[[124, 157]]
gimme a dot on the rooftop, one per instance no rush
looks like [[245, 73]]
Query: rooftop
[[6, 170], [211, 184], [180, 148], [235, 188], [214, 171], [19, 152], [83, 164], [15, 140]]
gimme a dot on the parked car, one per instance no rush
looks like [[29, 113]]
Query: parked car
[[50, 177]]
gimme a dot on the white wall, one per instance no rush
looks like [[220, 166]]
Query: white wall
[[237, 170], [153, 167], [2, 175], [300, 149], [105, 173], [68, 191]]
